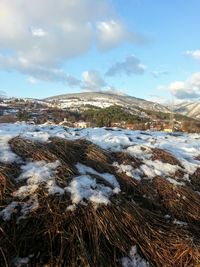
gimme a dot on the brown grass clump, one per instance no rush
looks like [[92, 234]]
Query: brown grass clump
[[164, 156], [181, 201], [8, 173], [37, 151], [81, 151], [28, 149], [126, 159], [97, 236], [195, 179], [150, 198]]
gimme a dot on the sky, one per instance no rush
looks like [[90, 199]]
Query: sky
[[144, 48]]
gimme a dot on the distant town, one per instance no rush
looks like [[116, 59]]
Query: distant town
[[86, 116]]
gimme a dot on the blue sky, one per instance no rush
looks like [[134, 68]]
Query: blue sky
[[146, 48]]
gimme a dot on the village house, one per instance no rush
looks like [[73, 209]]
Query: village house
[[116, 124], [81, 124], [130, 126]]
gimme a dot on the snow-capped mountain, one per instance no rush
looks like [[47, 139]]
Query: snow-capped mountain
[[103, 100], [190, 109]]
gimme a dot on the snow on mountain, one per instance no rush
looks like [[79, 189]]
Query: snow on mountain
[[103, 100], [190, 109]]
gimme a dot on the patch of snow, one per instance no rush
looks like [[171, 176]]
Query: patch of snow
[[35, 174], [134, 259], [8, 211], [116, 190], [158, 168], [177, 222], [36, 135], [190, 167], [19, 262], [186, 177], [173, 181], [71, 207], [128, 170], [31, 205], [6, 155], [167, 216], [84, 187], [83, 169], [140, 151]]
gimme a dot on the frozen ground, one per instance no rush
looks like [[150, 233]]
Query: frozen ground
[[185, 148]]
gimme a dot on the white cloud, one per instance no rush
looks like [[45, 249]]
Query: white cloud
[[92, 81], [111, 33], [68, 24], [176, 86], [157, 74], [38, 32], [44, 34], [37, 72], [193, 53], [188, 89], [32, 80], [131, 65]]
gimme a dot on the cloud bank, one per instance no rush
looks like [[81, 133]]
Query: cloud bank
[[195, 54], [38, 37], [158, 74], [92, 81], [188, 89], [131, 65], [112, 33]]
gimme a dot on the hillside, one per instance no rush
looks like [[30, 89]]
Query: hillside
[[103, 100], [190, 109], [98, 197], [95, 110]]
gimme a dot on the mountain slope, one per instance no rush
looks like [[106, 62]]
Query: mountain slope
[[102, 100], [190, 109]]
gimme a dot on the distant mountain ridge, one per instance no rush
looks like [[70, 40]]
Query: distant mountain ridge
[[104, 99], [190, 109]]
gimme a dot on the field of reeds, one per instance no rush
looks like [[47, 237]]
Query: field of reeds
[[161, 218]]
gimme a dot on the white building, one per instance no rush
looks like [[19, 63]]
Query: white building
[[81, 124]]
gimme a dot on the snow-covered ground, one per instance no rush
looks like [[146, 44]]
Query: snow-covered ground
[[184, 147]]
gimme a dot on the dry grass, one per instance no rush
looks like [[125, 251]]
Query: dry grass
[[8, 173], [98, 237], [164, 156], [181, 201]]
